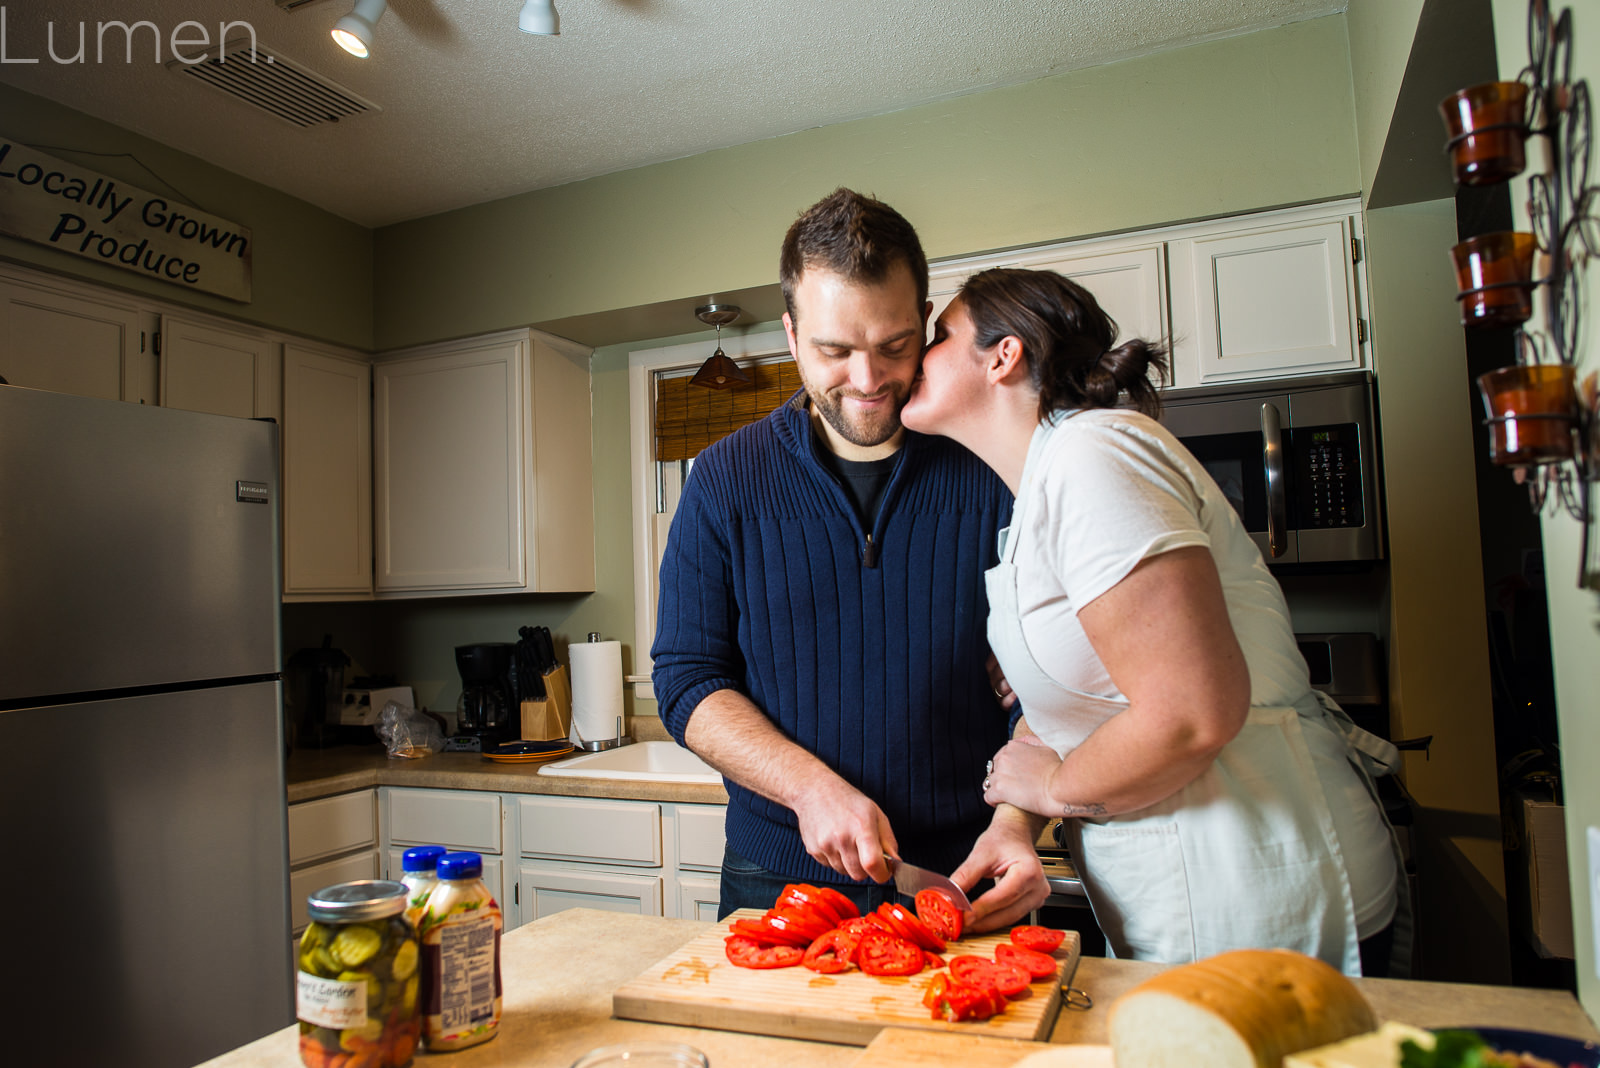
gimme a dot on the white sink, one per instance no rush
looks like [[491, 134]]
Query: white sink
[[642, 761]]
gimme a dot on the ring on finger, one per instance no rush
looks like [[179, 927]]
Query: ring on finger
[[988, 767], [986, 784]]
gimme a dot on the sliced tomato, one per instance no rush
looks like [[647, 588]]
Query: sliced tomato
[[803, 926], [936, 986], [1038, 939], [935, 909], [830, 953], [841, 904], [882, 953], [1009, 979], [906, 925], [1039, 965], [961, 1001], [860, 925], [749, 953], [807, 899], [933, 959]]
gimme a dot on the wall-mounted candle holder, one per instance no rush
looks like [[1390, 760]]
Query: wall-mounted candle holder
[[1488, 125], [1494, 279], [1542, 416]]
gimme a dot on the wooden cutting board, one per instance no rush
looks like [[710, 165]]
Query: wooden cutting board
[[896, 1047], [697, 987]]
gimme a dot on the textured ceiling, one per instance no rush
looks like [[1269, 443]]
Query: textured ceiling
[[474, 110]]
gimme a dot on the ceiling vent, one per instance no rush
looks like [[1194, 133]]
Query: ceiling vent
[[295, 5], [249, 72]]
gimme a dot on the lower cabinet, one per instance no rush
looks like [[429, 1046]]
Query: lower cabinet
[[645, 857], [331, 840], [458, 820]]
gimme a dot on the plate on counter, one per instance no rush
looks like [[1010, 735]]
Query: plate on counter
[[1558, 1049], [527, 752]]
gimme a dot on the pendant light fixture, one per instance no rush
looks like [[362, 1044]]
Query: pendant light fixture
[[719, 372], [353, 33], [539, 16]]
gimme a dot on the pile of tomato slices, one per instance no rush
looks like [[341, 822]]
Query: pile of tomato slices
[[820, 928]]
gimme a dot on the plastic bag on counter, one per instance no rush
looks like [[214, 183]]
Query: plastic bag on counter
[[405, 732]]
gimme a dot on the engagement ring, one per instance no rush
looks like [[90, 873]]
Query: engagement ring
[[988, 767], [985, 785]]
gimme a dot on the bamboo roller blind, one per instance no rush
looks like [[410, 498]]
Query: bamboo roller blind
[[689, 418]]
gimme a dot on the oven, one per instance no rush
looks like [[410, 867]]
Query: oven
[[1296, 458]]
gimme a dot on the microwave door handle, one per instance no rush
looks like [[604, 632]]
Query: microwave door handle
[[1277, 501]]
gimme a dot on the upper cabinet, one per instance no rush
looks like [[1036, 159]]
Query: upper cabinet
[[206, 368], [93, 345], [327, 474], [1270, 300], [482, 474]]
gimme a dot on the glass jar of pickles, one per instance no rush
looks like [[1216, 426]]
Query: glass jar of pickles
[[356, 994]]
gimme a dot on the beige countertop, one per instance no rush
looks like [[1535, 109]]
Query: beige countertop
[[559, 973], [313, 773]]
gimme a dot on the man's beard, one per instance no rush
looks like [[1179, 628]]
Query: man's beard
[[863, 430]]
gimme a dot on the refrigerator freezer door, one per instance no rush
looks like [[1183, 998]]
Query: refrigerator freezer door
[[147, 888], [127, 556]]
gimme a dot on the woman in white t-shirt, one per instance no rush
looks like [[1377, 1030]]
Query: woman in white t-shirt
[[1215, 801]]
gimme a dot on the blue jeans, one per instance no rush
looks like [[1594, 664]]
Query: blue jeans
[[747, 885]]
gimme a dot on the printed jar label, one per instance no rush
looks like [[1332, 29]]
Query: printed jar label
[[337, 1003], [466, 973]]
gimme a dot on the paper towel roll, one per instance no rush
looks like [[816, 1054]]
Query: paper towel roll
[[596, 689]]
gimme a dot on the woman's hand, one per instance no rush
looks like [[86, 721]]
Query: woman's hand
[[1021, 776]]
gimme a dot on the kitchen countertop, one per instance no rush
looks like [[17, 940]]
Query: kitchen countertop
[[313, 773], [559, 973]]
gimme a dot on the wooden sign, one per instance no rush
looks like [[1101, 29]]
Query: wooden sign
[[92, 216]]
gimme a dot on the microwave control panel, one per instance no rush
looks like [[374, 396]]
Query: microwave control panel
[[1327, 466]]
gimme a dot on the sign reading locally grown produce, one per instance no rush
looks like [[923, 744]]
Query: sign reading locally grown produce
[[51, 202]]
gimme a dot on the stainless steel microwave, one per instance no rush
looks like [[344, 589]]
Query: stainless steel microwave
[[1297, 458]]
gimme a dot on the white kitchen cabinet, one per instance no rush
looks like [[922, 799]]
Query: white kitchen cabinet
[[660, 858], [1267, 300], [69, 341], [331, 840], [458, 820], [327, 474], [211, 368], [1129, 284], [482, 467]]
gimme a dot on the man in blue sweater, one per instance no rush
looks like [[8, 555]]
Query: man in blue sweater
[[821, 632]]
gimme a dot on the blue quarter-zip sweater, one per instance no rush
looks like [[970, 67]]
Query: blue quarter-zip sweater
[[865, 648]]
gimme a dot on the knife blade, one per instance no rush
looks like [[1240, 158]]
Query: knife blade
[[908, 879]]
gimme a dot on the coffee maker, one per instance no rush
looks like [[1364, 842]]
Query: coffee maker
[[487, 710]]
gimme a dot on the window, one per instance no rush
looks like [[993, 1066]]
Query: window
[[656, 482]]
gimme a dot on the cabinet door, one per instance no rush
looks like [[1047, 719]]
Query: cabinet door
[[1130, 285], [699, 897], [599, 829], [456, 819], [550, 890], [207, 369], [67, 344], [308, 881], [331, 825], [1271, 301], [448, 469], [327, 473]]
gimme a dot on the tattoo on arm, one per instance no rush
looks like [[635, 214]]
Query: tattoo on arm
[[1090, 808]]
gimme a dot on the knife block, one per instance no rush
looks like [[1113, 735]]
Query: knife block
[[549, 720]]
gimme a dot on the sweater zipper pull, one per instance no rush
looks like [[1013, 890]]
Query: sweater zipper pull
[[869, 555]]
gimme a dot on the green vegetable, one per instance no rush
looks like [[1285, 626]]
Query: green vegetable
[[1451, 1049], [354, 946]]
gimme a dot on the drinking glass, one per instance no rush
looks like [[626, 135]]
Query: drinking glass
[[643, 1055]]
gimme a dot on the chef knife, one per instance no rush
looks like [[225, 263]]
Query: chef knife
[[908, 879]]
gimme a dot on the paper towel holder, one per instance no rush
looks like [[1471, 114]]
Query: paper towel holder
[[599, 744]]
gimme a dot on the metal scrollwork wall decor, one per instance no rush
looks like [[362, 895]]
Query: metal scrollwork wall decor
[[1541, 416]]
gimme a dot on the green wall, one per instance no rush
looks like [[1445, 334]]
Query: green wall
[[1574, 612], [1223, 127], [312, 270], [1381, 32]]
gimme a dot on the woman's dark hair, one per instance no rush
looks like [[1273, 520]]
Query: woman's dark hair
[[1066, 337]]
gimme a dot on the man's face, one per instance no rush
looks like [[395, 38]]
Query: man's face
[[857, 347]]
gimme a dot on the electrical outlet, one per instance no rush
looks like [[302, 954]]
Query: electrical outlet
[[1594, 894]]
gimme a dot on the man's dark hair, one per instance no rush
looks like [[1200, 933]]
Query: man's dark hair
[[860, 238]]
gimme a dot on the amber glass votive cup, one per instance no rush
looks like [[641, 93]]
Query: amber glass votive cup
[[1494, 276], [1487, 126], [1532, 410]]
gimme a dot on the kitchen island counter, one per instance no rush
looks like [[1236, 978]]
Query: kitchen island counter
[[560, 972], [313, 773]]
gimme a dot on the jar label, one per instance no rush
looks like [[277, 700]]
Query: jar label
[[336, 1003], [467, 973]]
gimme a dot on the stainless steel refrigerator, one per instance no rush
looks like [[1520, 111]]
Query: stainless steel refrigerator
[[144, 858]]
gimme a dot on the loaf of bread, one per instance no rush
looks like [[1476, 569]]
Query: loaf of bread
[[1245, 1009]]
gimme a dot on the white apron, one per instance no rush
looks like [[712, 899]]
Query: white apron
[[1245, 856]]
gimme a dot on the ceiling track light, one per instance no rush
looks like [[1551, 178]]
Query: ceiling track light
[[353, 33], [539, 16]]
